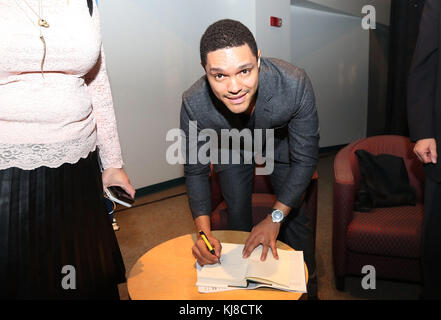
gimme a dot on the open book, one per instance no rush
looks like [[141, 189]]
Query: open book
[[287, 273]]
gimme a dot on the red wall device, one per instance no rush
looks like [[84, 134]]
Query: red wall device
[[275, 22]]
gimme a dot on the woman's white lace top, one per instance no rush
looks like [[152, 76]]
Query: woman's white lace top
[[62, 117]]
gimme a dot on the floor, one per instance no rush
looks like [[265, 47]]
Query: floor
[[165, 215]]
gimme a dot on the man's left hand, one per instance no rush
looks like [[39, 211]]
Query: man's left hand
[[264, 233]]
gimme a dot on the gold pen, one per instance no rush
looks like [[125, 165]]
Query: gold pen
[[207, 243]]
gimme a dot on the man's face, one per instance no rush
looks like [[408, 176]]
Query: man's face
[[233, 74]]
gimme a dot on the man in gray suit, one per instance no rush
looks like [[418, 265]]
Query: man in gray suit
[[241, 90]]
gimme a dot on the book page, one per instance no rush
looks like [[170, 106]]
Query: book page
[[298, 276], [270, 270], [250, 286], [287, 273], [231, 271]]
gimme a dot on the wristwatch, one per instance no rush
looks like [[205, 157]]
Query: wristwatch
[[277, 215]]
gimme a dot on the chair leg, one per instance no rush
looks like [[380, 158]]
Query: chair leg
[[340, 283]]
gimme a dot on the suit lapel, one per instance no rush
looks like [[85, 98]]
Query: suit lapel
[[264, 108]]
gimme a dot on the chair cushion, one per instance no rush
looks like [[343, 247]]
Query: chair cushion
[[261, 204], [394, 231], [384, 182]]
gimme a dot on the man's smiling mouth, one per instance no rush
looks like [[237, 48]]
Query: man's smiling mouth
[[237, 99]]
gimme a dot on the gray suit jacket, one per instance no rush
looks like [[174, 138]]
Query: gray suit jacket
[[285, 103]]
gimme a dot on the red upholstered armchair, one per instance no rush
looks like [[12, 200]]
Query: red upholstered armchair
[[386, 238], [263, 199]]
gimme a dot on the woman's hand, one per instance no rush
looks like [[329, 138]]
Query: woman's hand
[[117, 177]]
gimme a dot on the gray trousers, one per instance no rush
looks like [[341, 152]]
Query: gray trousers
[[296, 230]]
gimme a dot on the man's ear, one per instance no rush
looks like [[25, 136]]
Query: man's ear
[[203, 67], [258, 58]]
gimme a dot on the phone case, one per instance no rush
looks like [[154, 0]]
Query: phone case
[[118, 195]]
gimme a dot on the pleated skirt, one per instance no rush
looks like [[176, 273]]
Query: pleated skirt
[[56, 239]]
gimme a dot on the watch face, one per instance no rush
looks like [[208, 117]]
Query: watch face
[[277, 216]]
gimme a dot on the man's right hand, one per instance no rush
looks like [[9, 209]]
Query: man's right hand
[[425, 149], [201, 252]]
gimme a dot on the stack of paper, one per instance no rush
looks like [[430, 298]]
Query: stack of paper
[[235, 272]]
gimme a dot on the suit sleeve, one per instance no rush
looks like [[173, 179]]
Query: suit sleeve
[[422, 75], [196, 174], [303, 131]]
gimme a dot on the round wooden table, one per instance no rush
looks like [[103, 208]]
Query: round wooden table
[[168, 272]]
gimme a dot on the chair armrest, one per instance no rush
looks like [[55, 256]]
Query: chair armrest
[[343, 205], [343, 168], [310, 202], [345, 184], [215, 189]]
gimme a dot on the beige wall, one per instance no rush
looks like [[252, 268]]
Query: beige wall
[[152, 50], [353, 7], [334, 51]]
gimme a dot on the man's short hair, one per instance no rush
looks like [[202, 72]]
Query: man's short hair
[[226, 33]]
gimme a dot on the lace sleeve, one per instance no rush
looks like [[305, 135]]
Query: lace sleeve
[[99, 89]]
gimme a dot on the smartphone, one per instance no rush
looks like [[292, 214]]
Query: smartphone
[[118, 195]]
